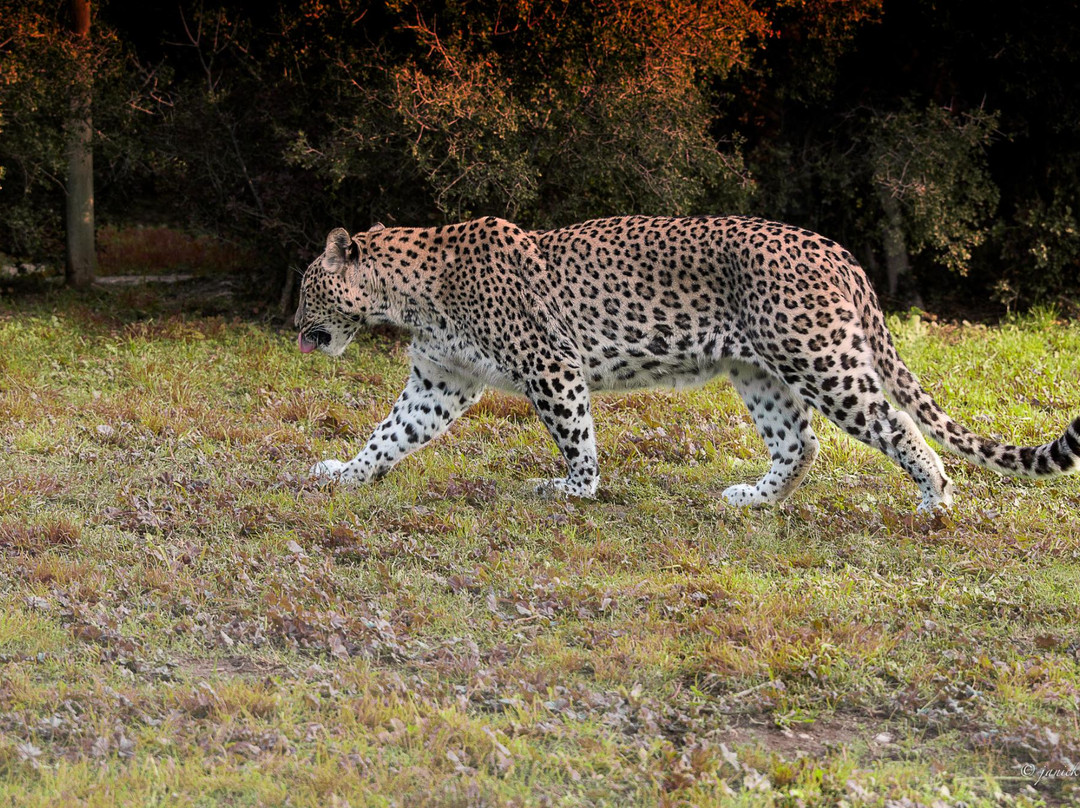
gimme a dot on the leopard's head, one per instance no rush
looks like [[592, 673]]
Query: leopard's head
[[335, 296]]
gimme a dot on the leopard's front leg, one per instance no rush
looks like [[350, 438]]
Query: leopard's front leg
[[432, 400], [561, 400]]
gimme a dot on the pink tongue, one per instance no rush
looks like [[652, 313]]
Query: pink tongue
[[306, 346]]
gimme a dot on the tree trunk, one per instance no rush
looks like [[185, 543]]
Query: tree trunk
[[285, 303], [81, 255], [897, 263]]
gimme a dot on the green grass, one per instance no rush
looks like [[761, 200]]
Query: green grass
[[186, 620]]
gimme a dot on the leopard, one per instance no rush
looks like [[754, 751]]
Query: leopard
[[633, 302]]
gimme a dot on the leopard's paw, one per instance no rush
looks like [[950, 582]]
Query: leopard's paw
[[328, 471], [932, 503], [562, 489], [746, 496]]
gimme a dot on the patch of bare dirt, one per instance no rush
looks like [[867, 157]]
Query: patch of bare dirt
[[811, 740], [196, 668]]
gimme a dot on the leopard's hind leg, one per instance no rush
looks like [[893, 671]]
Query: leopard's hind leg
[[855, 403], [894, 433], [783, 421]]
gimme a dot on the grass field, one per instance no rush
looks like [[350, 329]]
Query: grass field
[[186, 620]]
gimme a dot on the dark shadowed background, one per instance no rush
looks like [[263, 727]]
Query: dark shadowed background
[[939, 142]]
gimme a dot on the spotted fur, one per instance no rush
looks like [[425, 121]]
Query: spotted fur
[[634, 302]]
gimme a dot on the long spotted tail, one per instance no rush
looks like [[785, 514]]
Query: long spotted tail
[[1061, 456]]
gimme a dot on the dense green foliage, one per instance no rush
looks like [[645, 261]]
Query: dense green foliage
[[921, 136]]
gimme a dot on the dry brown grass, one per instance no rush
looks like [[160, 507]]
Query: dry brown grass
[[35, 538]]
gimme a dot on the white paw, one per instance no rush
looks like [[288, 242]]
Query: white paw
[[932, 501], [560, 489], [933, 504], [327, 471], [745, 496]]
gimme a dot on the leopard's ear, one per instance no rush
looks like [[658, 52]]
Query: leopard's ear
[[375, 228], [339, 245]]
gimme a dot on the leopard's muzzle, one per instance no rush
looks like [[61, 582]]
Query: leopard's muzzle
[[313, 338]]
